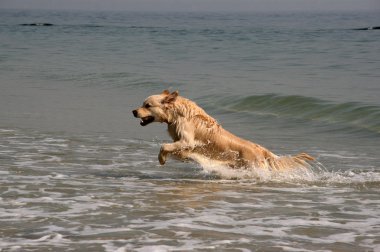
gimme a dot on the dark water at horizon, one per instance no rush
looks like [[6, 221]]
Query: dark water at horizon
[[78, 172]]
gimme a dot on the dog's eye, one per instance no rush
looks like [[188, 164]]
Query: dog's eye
[[147, 105]]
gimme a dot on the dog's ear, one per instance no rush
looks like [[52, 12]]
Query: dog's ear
[[165, 92], [170, 97]]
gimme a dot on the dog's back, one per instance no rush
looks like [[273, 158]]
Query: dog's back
[[216, 143]]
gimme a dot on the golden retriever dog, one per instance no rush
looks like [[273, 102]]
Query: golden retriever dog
[[197, 136]]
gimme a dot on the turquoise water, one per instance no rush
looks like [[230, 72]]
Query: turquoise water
[[78, 172]]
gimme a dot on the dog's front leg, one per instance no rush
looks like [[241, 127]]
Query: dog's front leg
[[180, 147], [163, 154], [176, 148]]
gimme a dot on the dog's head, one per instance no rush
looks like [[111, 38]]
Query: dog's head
[[154, 108]]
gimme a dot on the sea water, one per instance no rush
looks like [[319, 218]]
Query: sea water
[[79, 173]]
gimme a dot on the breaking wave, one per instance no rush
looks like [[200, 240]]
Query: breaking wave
[[351, 114]]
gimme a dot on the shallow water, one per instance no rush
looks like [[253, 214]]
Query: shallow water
[[106, 194], [79, 173]]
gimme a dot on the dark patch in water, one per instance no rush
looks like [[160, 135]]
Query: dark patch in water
[[37, 24], [368, 28]]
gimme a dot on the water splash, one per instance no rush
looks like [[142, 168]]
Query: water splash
[[259, 174], [314, 175]]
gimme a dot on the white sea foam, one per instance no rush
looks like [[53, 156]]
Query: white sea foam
[[55, 237]]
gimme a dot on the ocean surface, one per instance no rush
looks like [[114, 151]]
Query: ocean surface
[[78, 172]]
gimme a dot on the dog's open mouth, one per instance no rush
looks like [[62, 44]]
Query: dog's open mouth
[[146, 120]]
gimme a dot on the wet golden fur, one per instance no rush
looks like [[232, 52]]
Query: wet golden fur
[[196, 136]]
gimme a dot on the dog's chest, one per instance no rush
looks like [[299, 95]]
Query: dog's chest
[[173, 132]]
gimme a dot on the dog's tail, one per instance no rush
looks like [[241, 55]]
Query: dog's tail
[[304, 157], [289, 162]]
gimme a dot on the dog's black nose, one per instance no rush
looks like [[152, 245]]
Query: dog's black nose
[[134, 112]]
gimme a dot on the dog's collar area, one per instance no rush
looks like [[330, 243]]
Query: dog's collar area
[[168, 121]]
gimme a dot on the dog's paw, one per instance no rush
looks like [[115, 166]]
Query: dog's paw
[[162, 157]]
